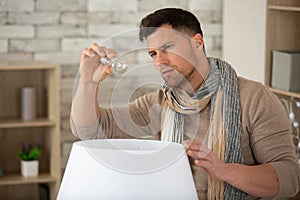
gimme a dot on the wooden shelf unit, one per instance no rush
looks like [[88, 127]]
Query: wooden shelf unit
[[284, 8], [282, 33], [45, 77], [14, 123], [16, 179], [285, 93]]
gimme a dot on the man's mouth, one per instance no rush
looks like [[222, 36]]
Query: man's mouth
[[167, 72]]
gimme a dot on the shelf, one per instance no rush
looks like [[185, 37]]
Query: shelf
[[17, 179], [10, 66], [284, 8], [18, 123], [285, 93], [45, 128]]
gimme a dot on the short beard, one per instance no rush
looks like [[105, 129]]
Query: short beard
[[182, 82]]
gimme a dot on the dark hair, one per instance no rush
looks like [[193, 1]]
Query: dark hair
[[181, 20]]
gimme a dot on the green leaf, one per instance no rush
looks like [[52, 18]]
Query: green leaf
[[30, 154]]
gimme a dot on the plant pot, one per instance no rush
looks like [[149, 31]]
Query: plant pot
[[30, 168]]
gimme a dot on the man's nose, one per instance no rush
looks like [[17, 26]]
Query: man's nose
[[162, 59]]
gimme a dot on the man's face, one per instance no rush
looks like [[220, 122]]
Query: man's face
[[172, 55]]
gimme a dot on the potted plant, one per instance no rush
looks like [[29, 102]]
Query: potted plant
[[29, 159]]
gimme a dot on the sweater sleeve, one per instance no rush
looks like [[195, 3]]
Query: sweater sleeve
[[139, 119], [271, 139]]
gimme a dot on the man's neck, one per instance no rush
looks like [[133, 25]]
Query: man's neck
[[196, 83]]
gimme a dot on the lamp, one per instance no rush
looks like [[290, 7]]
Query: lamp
[[127, 169]]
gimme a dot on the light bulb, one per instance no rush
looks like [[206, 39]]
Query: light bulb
[[118, 65]]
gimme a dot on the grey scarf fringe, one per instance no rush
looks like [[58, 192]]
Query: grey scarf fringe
[[233, 124], [231, 114]]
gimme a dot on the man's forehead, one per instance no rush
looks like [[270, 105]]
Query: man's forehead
[[163, 35]]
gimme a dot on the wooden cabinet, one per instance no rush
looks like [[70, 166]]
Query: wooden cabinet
[[282, 33], [45, 128]]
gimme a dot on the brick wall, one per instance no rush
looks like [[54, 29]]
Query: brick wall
[[57, 30]]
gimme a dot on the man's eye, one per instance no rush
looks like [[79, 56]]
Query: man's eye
[[152, 54], [168, 46]]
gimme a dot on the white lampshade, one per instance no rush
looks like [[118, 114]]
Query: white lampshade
[[127, 169]]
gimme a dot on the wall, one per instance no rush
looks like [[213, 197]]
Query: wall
[[244, 37], [57, 30]]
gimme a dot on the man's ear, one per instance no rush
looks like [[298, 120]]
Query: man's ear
[[198, 40]]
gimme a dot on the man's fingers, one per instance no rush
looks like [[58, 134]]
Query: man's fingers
[[103, 51], [199, 153], [193, 154], [192, 145], [202, 163], [86, 52], [204, 151], [99, 50], [108, 69]]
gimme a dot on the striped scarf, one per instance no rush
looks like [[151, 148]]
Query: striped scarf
[[179, 103]]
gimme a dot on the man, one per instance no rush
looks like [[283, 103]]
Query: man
[[241, 146]]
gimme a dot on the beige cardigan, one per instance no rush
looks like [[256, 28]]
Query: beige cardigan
[[266, 132]]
